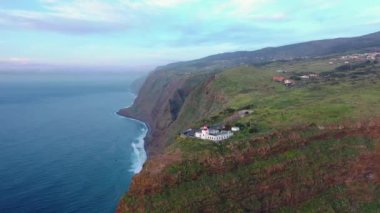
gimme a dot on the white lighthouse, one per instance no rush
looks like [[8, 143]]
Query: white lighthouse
[[205, 132], [213, 134]]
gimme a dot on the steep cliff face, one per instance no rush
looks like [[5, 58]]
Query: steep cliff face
[[170, 102], [152, 105]]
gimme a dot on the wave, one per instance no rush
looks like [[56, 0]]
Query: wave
[[139, 152]]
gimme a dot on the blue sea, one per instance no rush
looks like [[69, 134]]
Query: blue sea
[[62, 146]]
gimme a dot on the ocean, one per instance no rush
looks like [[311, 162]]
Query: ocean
[[62, 146]]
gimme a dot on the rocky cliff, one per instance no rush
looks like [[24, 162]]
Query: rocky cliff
[[170, 102]]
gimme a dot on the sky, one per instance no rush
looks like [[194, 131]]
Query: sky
[[143, 34]]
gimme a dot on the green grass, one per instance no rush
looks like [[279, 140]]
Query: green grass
[[320, 102], [193, 145], [238, 185]]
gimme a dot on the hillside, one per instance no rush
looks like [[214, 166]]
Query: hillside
[[312, 146], [304, 50], [166, 99]]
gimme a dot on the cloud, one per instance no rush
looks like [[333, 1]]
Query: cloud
[[239, 35], [38, 21], [70, 17], [324, 5], [157, 4], [16, 60], [110, 11], [240, 8], [97, 16], [167, 3], [17, 64], [88, 10], [271, 17], [48, 1]]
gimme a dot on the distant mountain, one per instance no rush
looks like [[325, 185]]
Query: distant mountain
[[309, 49]]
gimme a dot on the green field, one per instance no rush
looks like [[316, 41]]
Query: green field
[[323, 100]]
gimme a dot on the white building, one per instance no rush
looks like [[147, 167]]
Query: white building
[[288, 82], [313, 75], [213, 134], [235, 129]]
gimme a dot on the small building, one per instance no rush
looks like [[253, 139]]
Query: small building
[[278, 78], [288, 82], [188, 133], [235, 129], [313, 75]]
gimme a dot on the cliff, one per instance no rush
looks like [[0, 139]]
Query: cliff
[[166, 91], [165, 100], [266, 166]]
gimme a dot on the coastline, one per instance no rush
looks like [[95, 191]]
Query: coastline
[[139, 145]]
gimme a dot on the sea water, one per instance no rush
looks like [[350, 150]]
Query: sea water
[[62, 146]]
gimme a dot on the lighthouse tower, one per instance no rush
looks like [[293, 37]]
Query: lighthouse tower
[[205, 132]]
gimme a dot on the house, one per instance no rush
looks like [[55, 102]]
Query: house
[[313, 75], [288, 82], [213, 134], [188, 133], [235, 129], [278, 78]]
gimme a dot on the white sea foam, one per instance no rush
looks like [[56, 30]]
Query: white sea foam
[[139, 151]]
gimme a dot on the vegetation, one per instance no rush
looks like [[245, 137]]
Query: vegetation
[[311, 147], [319, 101], [287, 177]]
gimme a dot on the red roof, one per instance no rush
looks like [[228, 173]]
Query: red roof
[[278, 78]]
